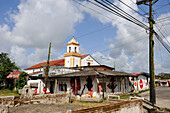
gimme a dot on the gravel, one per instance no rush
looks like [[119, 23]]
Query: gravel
[[42, 108]]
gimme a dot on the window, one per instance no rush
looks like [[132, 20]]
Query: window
[[62, 86], [88, 63], [69, 49], [75, 49], [34, 85]]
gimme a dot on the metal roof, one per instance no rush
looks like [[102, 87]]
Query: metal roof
[[94, 73]]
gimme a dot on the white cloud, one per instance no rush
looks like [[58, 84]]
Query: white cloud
[[36, 23], [130, 46], [39, 22]]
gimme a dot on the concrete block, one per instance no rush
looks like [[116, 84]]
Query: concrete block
[[4, 109]]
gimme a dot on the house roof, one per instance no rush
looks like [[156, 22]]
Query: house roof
[[83, 56], [111, 68], [143, 73], [51, 63], [36, 73], [14, 74], [95, 73]]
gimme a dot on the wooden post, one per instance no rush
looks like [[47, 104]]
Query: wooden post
[[75, 86], [55, 87], [47, 68], [103, 87], [151, 49], [137, 83]]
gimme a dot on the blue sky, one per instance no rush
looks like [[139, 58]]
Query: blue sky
[[27, 27]]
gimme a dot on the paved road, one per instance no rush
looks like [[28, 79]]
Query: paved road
[[162, 96]]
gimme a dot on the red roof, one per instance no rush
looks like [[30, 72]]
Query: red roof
[[137, 73], [52, 63], [83, 56], [14, 74]]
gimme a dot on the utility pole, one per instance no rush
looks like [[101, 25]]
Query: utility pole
[[151, 49], [47, 68]]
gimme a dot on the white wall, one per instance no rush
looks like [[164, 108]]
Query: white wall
[[76, 61], [142, 80], [33, 70], [41, 85], [67, 62], [84, 61]]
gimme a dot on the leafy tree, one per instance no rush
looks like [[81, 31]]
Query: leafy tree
[[22, 81], [6, 66]]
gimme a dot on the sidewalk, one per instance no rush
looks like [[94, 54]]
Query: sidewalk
[[161, 101]]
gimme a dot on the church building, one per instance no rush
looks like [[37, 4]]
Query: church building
[[81, 73], [73, 60]]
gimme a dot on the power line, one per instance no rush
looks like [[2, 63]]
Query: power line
[[101, 13], [132, 8], [162, 26], [141, 31], [141, 8], [159, 29], [121, 45], [162, 6], [131, 18], [109, 26], [162, 42], [122, 13], [168, 17]]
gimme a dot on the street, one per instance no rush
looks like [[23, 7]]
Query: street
[[162, 96]]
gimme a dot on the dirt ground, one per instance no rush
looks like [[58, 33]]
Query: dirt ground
[[42, 108]]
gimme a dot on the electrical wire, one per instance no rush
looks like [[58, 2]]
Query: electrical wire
[[109, 26], [122, 13], [121, 45], [132, 9], [159, 29], [130, 18], [162, 6], [163, 19], [101, 13], [162, 42], [162, 26]]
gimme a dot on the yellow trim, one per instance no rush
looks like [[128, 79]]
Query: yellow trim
[[72, 43], [73, 40], [65, 62], [80, 62], [72, 54], [71, 61]]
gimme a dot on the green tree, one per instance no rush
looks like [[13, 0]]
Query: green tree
[[6, 66], [22, 81]]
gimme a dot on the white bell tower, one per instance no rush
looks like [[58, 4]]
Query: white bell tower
[[72, 57]]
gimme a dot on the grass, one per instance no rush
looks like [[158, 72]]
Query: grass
[[125, 96], [128, 95], [7, 92]]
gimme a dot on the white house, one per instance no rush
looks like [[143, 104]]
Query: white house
[[140, 81]]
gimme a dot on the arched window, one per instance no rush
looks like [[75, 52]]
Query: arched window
[[88, 63], [75, 49], [69, 49]]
